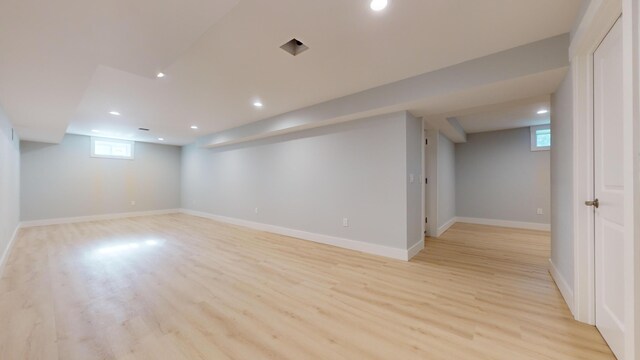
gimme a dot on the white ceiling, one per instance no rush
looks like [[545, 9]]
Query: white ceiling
[[504, 116], [67, 63], [500, 106]]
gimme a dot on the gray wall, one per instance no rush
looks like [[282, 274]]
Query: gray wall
[[63, 180], [498, 177], [562, 179], [414, 190], [9, 184], [446, 169], [310, 180]]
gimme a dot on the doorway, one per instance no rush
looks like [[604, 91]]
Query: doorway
[[608, 204]]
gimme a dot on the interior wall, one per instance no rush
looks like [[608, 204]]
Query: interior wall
[[446, 185], [414, 184], [498, 177], [63, 180], [562, 200], [9, 185], [311, 180]]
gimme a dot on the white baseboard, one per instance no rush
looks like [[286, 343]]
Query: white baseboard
[[7, 251], [442, 229], [563, 286], [505, 223], [381, 250], [415, 249], [70, 220]]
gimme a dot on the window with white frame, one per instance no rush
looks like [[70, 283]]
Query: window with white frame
[[540, 138], [111, 148]]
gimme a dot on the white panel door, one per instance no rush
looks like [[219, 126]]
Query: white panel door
[[609, 190]]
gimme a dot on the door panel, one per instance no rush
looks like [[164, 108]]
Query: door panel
[[609, 189]]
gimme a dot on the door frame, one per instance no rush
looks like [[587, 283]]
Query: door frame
[[598, 19]]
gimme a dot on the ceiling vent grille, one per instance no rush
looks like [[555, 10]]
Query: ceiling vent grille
[[294, 47]]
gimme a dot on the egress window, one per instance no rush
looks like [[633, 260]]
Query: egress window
[[111, 148], [540, 138]]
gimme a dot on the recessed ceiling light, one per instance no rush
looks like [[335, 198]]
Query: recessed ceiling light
[[161, 139], [377, 5], [258, 104], [543, 111], [194, 127], [160, 75], [114, 113]]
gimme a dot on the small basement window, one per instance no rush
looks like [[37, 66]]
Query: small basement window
[[111, 148], [540, 138]]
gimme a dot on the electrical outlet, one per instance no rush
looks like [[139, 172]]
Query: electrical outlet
[[255, 210], [411, 178], [540, 211], [345, 222], [133, 203]]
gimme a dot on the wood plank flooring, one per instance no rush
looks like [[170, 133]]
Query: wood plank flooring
[[183, 287]]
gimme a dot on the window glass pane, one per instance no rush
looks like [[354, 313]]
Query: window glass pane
[[543, 140], [102, 148], [118, 149]]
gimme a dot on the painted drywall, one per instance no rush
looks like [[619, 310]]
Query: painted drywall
[[414, 180], [311, 180], [526, 60], [583, 10], [63, 180], [562, 200], [498, 177], [9, 185], [446, 169]]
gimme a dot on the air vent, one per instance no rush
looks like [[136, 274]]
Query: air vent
[[294, 47], [143, 129]]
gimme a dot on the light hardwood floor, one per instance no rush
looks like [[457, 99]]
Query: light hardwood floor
[[183, 287]]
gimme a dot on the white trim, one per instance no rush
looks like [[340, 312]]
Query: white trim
[[505, 223], [598, 20], [7, 251], [70, 220], [632, 11], [415, 249], [631, 140], [600, 16], [595, 20], [442, 229], [583, 243], [381, 250], [563, 286], [423, 149], [432, 187]]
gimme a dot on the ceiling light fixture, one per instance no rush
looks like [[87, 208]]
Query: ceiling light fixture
[[258, 104], [378, 5], [543, 111], [114, 113], [161, 139], [95, 131], [160, 75], [194, 127]]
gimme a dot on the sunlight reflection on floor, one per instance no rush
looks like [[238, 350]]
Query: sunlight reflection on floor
[[127, 248]]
